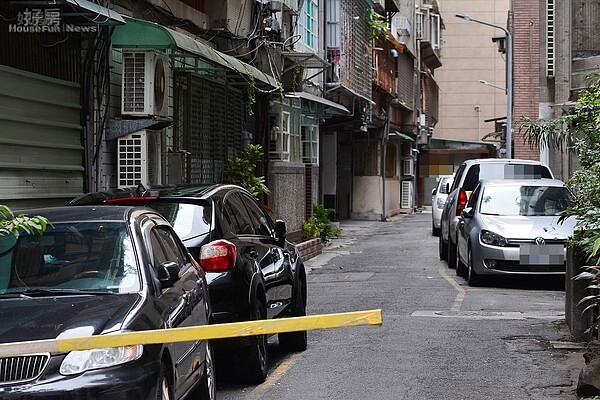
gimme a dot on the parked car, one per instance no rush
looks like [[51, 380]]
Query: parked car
[[98, 271], [438, 199], [514, 227], [252, 271], [466, 179]]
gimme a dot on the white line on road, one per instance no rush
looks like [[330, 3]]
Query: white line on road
[[489, 315]]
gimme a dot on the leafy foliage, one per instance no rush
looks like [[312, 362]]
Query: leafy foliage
[[239, 170], [578, 132], [319, 225], [377, 24], [11, 224]]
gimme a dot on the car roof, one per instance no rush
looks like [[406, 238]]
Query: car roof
[[81, 213], [523, 182], [501, 161]]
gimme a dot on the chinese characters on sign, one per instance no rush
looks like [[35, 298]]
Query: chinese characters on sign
[[48, 20]]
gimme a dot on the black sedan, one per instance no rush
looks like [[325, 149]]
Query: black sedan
[[98, 271], [252, 271]]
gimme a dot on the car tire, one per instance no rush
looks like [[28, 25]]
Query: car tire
[[472, 278], [460, 266], [164, 387], [252, 362], [207, 388], [295, 341], [442, 248], [435, 231], [451, 253]]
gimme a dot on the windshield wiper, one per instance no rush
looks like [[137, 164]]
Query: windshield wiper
[[52, 292]]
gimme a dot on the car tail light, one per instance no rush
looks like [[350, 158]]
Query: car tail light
[[461, 202], [218, 255]]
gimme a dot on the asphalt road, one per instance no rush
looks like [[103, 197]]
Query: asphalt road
[[440, 338]]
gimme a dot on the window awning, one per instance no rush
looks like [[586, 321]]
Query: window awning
[[144, 34], [317, 99], [403, 136], [95, 13]]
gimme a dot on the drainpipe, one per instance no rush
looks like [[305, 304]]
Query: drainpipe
[[384, 141]]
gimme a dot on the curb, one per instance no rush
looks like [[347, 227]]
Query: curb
[[310, 248]]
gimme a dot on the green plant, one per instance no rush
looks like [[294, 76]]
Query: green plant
[[12, 224], [378, 24], [240, 170], [319, 225]]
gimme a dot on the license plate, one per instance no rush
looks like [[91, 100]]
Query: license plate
[[546, 254]]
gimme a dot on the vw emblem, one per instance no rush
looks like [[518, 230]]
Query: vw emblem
[[540, 241]]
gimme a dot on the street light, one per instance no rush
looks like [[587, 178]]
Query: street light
[[509, 77], [492, 85]]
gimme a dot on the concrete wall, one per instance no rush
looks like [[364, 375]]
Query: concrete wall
[[366, 198], [468, 56], [288, 196]]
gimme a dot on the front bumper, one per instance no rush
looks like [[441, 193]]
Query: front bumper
[[136, 380]]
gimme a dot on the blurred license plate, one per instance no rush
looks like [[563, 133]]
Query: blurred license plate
[[546, 254]]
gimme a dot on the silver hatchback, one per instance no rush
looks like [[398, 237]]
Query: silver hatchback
[[514, 227]]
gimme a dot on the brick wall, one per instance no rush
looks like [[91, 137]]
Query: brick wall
[[526, 72]]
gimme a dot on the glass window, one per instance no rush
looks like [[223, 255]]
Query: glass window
[[187, 219], [524, 200], [262, 223], [165, 248], [84, 256], [308, 24], [237, 216]]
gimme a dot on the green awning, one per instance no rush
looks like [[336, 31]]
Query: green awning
[[404, 136], [140, 34]]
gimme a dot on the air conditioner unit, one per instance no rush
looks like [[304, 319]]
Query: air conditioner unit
[[406, 197], [408, 167], [145, 83], [139, 159]]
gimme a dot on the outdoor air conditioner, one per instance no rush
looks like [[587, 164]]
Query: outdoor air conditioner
[[144, 91], [408, 167], [139, 159], [406, 196]]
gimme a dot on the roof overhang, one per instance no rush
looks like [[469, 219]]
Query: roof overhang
[[95, 13], [318, 99], [149, 35]]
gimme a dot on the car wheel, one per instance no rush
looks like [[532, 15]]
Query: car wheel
[[442, 248], [295, 341], [451, 253], [435, 231], [472, 277], [164, 389], [251, 362], [207, 389], [460, 266]]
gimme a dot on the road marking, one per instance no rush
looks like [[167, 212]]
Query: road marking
[[489, 315], [460, 296], [274, 377], [204, 332]]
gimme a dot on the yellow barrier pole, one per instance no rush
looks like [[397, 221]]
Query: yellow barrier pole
[[203, 332]]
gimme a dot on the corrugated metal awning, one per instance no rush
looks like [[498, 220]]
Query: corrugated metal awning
[[144, 34], [318, 99]]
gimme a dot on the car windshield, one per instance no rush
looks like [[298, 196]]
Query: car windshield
[[91, 257], [489, 171], [520, 200], [445, 182]]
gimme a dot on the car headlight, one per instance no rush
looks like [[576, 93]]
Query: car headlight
[[492, 238], [77, 362]]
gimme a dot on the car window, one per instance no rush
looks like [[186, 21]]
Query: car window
[[444, 184], [473, 198], [187, 219], [458, 176], [262, 223], [524, 200], [489, 171], [84, 256], [236, 215], [164, 247]]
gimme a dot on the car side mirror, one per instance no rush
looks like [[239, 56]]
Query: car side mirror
[[168, 274], [280, 230], [467, 212], [433, 191]]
